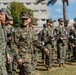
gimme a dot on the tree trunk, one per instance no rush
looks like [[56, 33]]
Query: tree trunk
[[64, 11]]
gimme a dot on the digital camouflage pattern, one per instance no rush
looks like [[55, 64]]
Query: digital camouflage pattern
[[23, 41], [35, 49], [61, 45], [48, 35], [2, 52], [73, 41], [9, 29], [68, 41]]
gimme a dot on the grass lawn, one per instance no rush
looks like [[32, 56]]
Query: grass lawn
[[69, 69]]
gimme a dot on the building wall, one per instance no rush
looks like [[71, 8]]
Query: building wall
[[40, 10]]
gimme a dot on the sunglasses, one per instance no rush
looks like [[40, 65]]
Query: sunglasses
[[25, 19]]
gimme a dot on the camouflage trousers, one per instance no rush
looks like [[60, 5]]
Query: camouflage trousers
[[61, 53], [3, 70], [74, 52], [9, 65], [68, 50], [15, 69], [34, 58], [27, 68], [49, 58], [12, 67]]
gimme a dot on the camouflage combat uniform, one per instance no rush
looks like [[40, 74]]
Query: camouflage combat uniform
[[73, 41], [61, 45], [9, 30], [23, 43], [35, 50], [48, 35], [2, 53], [68, 41], [41, 36]]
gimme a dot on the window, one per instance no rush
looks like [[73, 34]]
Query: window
[[5, 3], [43, 10], [42, 19], [28, 3], [35, 10]]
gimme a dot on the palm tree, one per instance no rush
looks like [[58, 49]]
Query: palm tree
[[52, 2]]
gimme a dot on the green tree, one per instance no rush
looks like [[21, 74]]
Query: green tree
[[52, 2], [16, 9]]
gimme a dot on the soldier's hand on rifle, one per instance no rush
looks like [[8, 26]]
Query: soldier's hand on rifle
[[8, 58], [46, 51], [20, 61]]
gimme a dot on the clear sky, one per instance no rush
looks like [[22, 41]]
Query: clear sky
[[56, 11]]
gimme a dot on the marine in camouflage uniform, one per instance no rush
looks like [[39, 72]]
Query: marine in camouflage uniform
[[49, 42], [15, 64], [2, 46], [73, 41], [9, 29], [32, 25], [61, 43], [68, 41], [23, 40], [41, 36]]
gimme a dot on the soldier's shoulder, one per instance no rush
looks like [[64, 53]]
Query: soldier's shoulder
[[5, 27], [46, 29], [18, 29], [68, 27], [57, 28]]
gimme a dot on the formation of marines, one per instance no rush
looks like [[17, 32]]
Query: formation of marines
[[19, 46]]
